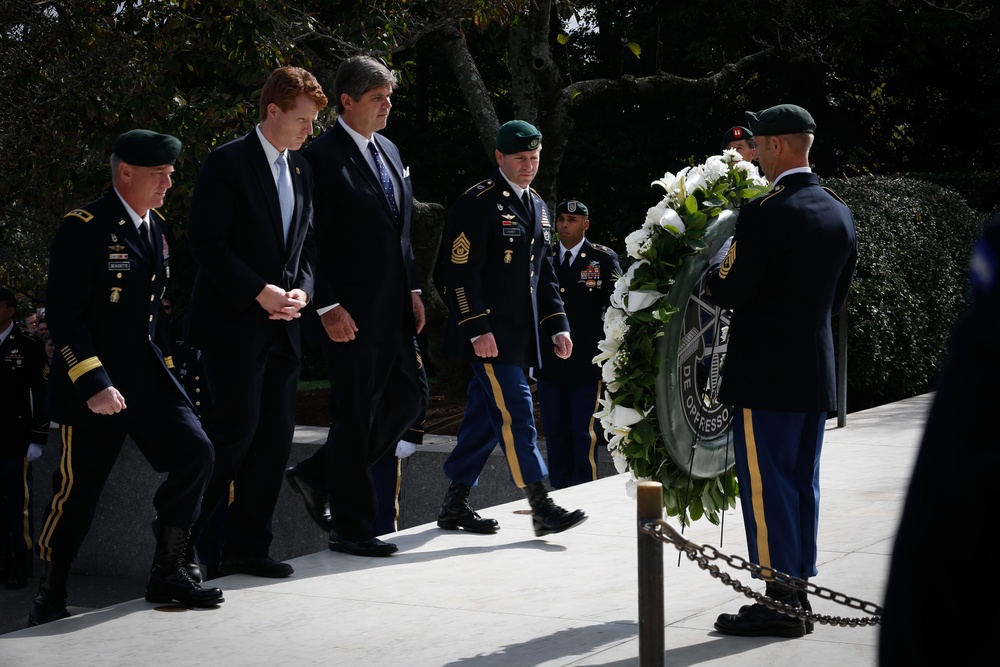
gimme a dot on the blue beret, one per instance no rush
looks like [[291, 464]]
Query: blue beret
[[516, 136], [782, 119], [144, 148]]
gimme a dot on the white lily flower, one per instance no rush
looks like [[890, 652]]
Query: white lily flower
[[621, 465], [623, 416], [637, 300], [672, 222]]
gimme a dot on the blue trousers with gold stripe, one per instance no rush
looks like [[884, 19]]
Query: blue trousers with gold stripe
[[777, 465], [498, 410], [571, 432], [16, 508]]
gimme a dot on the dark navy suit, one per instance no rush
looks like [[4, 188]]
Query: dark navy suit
[[568, 389], [785, 276], [106, 320], [251, 363], [499, 279], [365, 264]]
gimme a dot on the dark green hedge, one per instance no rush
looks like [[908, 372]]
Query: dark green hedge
[[914, 242]]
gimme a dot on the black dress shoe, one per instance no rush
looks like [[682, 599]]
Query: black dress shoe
[[258, 567], [316, 499], [373, 547]]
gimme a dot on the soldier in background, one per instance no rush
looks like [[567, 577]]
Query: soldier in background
[[568, 389]]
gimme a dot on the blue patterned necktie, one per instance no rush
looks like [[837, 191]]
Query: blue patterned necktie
[[286, 196], [383, 177]]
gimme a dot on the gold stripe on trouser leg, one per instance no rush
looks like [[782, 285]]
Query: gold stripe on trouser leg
[[59, 499], [25, 509], [756, 490], [507, 436], [395, 498], [593, 433]]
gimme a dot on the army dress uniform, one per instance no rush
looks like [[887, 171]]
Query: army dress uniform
[[24, 372], [788, 270], [500, 280], [106, 318], [569, 389]]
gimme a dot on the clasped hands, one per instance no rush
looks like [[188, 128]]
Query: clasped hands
[[282, 305]]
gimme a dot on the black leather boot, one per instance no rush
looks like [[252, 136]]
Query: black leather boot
[[803, 602], [191, 564], [546, 516], [759, 621], [455, 512], [168, 578], [50, 602], [807, 606]]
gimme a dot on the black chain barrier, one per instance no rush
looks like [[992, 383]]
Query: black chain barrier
[[702, 554]]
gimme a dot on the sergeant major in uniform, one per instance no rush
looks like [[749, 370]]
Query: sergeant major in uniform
[[503, 306], [112, 376], [569, 389]]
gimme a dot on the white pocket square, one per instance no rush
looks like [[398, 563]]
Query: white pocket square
[[406, 172]]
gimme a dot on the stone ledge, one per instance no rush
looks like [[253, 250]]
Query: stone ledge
[[120, 541]]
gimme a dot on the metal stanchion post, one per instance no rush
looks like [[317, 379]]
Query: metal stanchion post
[[650, 508], [842, 368]]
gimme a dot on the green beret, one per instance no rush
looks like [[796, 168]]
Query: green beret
[[782, 119], [573, 207], [516, 136], [736, 133], [144, 148]]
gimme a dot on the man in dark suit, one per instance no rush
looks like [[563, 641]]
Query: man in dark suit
[[113, 375], [503, 306], [568, 389], [364, 202], [24, 426], [788, 270], [251, 235]]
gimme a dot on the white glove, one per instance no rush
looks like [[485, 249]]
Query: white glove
[[404, 449], [34, 451]]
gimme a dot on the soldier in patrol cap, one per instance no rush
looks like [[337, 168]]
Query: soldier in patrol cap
[[503, 307], [568, 389], [740, 139], [112, 376], [797, 245]]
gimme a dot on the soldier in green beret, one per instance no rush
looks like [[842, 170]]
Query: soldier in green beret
[[112, 376], [796, 258], [503, 306]]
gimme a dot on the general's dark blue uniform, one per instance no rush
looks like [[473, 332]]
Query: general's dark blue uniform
[[500, 280], [569, 389], [786, 274], [106, 320]]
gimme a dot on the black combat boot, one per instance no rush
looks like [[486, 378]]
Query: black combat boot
[[546, 516], [191, 564], [455, 512], [759, 621], [803, 602], [169, 580], [50, 602]]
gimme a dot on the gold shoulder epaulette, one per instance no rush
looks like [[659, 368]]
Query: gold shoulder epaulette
[[603, 248], [159, 215], [834, 195], [482, 186], [86, 216], [776, 190]]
